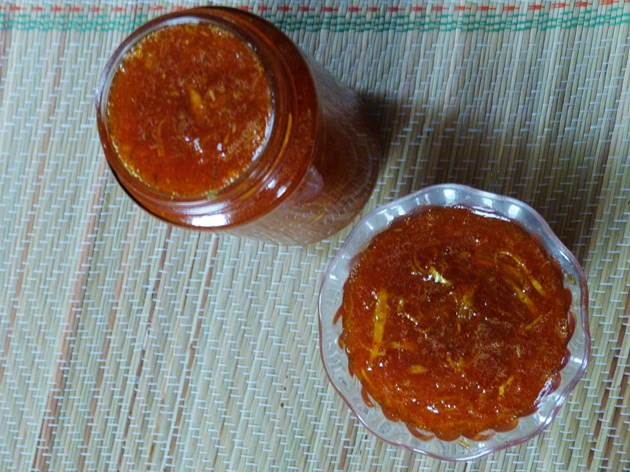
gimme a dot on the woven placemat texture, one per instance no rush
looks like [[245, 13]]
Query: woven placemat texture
[[126, 344]]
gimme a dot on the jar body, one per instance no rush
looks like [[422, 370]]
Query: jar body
[[317, 169], [340, 178]]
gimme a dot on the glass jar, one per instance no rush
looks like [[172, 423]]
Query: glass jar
[[316, 166]]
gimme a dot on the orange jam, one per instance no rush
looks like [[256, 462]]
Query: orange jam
[[212, 119], [455, 322], [190, 109]]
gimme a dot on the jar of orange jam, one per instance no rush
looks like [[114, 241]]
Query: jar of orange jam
[[213, 119]]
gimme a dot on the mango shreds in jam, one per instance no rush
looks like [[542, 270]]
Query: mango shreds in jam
[[190, 109], [454, 322]]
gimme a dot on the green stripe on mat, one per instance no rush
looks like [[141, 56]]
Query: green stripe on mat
[[44, 21], [447, 23]]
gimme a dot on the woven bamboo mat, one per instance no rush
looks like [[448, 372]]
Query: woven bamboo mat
[[129, 345]]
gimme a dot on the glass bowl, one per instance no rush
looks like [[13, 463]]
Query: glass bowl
[[336, 362]]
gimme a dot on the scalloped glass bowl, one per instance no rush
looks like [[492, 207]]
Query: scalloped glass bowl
[[336, 362]]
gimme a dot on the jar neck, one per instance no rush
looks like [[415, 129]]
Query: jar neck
[[287, 154]]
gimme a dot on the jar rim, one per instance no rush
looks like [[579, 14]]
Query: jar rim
[[230, 205]]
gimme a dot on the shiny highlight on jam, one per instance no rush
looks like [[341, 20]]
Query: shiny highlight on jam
[[455, 322]]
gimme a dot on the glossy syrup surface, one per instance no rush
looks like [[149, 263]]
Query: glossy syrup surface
[[455, 322], [190, 109]]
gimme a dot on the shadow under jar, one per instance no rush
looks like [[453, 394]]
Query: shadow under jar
[[213, 119]]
